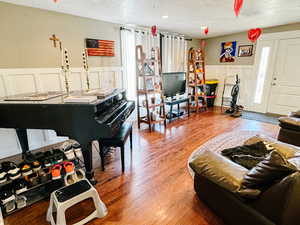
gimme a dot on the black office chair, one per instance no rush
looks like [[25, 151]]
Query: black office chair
[[118, 140]]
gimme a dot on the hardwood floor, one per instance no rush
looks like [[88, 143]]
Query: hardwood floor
[[156, 187]]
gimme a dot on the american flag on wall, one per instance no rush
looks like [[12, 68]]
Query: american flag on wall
[[100, 47]]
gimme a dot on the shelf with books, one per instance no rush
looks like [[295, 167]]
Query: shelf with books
[[149, 88], [196, 78]]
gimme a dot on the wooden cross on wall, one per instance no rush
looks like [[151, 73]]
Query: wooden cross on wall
[[54, 39]]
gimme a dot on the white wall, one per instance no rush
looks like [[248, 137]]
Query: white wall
[[18, 81], [246, 74], [25, 33]]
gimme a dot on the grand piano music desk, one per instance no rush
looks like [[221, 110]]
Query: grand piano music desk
[[84, 122]]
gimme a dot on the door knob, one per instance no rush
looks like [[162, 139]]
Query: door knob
[[273, 84], [274, 78]]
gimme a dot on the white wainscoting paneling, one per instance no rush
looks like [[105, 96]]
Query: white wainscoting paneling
[[246, 75], [19, 81]]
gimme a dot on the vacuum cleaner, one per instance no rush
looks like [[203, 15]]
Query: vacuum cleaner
[[235, 110]]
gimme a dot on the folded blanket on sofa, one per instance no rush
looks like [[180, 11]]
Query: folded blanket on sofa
[[247, 156], [287, 150]]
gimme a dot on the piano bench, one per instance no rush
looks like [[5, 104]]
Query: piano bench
[[118, 140]]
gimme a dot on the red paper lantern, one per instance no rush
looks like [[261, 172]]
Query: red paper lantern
[[206, 30], [154, 30], [253, 34], [237, 6]]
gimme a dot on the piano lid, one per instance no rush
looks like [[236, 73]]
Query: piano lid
[[56, 98]]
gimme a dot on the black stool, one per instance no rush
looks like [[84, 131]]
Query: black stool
[[118, 140]]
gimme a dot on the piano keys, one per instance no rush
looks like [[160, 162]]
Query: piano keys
[[84, 122]]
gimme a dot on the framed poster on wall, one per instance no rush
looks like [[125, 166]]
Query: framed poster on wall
[[228, 51], [245, 51]]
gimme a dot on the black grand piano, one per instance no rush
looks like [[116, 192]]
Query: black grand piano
[[84, 122]]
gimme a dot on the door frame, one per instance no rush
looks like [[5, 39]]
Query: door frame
[[275, 38]]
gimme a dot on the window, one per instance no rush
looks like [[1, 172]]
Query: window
[[262, 73]]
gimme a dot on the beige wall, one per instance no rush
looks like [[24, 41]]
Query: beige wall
[[25, 32], [213, 45], [195, 43]]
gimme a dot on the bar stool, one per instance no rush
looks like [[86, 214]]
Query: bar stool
[[118, 140]]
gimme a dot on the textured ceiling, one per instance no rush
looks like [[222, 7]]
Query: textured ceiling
[[184, 16]]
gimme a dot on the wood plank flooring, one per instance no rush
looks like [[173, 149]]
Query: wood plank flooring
[[156, 187]]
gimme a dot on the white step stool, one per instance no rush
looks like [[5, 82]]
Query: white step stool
[[68, 196], [1, 218]]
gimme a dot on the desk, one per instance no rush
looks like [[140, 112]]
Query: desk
[[177, 102]]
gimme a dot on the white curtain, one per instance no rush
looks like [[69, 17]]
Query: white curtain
[[147, 40], [128, 62], [129, 39], [174, 51]]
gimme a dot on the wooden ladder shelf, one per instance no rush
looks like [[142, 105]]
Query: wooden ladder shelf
[[149, 82], [196, 79]]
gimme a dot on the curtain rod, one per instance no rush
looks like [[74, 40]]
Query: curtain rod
[[162, 34]]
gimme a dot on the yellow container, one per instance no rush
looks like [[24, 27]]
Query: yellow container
[[211, 81]]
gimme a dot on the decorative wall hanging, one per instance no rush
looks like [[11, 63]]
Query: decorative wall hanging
[[237, 6], [154, 30], [254, 34], [54, 39], [85, 61], [228, 51], [205, 30], [97, 47], [245, 50], [65, 61]]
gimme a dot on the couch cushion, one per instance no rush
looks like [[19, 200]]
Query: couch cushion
[[274, 167], [292, 123], [288, 151], [290, 120], [219, 170], [295, 114]]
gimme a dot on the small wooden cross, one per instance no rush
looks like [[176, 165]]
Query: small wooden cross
[[54, 39]]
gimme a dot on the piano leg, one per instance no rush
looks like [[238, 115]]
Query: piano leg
[[23, 139], [88, 161]]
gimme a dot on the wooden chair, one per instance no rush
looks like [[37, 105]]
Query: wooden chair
[[119, 140]]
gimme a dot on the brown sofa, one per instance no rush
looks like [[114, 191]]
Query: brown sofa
[[290, 129], [278, 205]]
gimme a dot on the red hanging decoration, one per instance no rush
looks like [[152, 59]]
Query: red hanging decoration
[[237, 6], [55, 1], [206, 30], [253, 34], [154, 30]]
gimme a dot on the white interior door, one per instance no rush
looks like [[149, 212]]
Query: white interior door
[[263, 72], [285, 84]]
